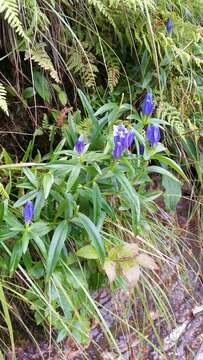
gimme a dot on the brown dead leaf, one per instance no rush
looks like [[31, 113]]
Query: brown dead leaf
[[131, 274], [62, 116], [147, 261], [110, 269]]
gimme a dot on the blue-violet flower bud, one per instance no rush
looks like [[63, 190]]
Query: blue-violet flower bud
[[153, 134], [148, 105], [80, 145], [28, 212], [141, 149], [129, 139], [117, 151], [169, 25]]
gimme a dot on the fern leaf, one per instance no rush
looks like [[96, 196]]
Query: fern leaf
[[3, 103], [102, 9], [11, 15], [3, 192], [113, 76], [39, 55]]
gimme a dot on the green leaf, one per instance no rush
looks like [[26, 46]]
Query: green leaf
[[41, 86], [93, 233], [173, 192], [87, 252], [48, 181], [133, 197], [63, 97], [15, 257], [97, 203], [28, 92], [40, 243], [172, 164], [31, 176], [57, 243], [29, 196], [88, 108], [39, 204], [162, 171], [25, 241], [73, 177]]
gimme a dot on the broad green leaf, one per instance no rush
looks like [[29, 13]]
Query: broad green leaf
[[88, 252], [93, 233], [41, 86], [63, 97], [162, 171], [172, 194], [48, 181], [40, 228], [73, 177], [172, 164], [28, 92], [57, 243]]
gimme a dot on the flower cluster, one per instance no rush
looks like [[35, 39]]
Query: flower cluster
[[123, 139]]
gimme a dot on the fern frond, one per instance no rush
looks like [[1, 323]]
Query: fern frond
[[11, 15], [83, 64], [89, 75], [39, 55], [98, 4], [169, 113], [84, 126], [3, 192], [113, 76], [3, 103], [45, 122]]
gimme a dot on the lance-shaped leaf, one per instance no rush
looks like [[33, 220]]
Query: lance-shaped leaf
[[57, 243], [93, 233]]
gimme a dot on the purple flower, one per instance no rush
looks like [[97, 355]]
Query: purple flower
[[141, 149], [153, 134], [169, 25], [123, 139], [129, 139], [80, 145], [147, 105], [28, 212], [117, 151]]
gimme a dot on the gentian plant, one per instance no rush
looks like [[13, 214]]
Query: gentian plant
[[75, 198]]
